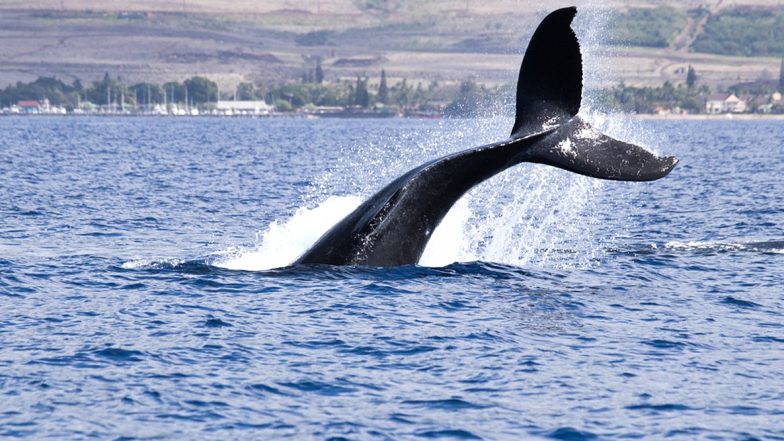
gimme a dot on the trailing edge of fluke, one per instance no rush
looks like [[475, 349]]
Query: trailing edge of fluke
[[393, 226]]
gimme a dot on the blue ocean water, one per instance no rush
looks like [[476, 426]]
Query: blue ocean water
[[142, 294]]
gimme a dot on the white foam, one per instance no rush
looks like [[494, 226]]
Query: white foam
[[136, 264], [150, 263], [448, 243], [282, 243], [724, 246]]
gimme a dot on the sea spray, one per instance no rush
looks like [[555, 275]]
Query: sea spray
[[283, 242], [530, 215]]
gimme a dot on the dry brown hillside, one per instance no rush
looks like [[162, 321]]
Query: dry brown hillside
[[239, 40]]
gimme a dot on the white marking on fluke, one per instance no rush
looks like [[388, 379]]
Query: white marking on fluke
[[567, 147]]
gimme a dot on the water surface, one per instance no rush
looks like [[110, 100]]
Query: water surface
[[135, 302]]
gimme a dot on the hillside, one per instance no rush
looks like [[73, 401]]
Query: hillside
[[637, 42]]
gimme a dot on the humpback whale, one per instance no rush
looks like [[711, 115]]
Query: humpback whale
[[393, 226]]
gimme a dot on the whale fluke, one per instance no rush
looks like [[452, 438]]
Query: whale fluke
[[577, 147], [394, 225], [550, 84]]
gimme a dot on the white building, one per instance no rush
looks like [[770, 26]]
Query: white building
[[243, 107], [725, 103]]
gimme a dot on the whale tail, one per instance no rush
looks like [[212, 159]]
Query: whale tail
[[549, 93]]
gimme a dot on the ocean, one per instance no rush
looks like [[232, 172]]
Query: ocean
[[145, 291]]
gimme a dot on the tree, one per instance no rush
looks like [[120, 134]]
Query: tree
[[402, 93], [294, 94], [52, 89], [107, 91], [383, 90], [201, 90], [361, 95], [691, 78], [468, 102], [174, 92], [147, 93], [319, 71], [246, 92], [781, 76]]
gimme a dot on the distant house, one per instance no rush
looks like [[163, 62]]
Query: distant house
[[759, 103], [29, 106], [725, 103]]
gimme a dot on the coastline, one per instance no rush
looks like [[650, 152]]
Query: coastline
[[708, 117], [635, 116]]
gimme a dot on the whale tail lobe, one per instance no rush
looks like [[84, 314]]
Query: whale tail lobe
[[549, 94]]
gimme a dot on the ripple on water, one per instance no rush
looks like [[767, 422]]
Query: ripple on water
[[732, 301], [318, 387], [451, 404], [571, 434], [213, 322], [119, 355], [447, 433]]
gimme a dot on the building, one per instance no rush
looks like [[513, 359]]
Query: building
[[29, 106], [725, 103], [243, 107]]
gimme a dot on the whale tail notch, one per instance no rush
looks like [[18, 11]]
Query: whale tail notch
[[549, 94]]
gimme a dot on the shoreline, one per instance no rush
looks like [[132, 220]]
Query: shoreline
[[707, 117], [635, 116]]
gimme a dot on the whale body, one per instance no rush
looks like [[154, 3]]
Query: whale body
[[393, 226]]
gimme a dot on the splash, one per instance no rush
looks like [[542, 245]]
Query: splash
[[282, 243], [530, 215]]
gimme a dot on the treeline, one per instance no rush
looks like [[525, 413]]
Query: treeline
[[468, 99], [200, 92], [350, 93], [111, 91], [743, 31], [647, 100]]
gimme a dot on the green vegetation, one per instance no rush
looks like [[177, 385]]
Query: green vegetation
[[147, 93], [315, 38], [652, 99], [691, 77], [378, 7], [469, 99], [383, 90], [781, 76], [110, 91], [201, 90], [198, 91], [57, 92], [319, 72], [743, 31], [301, 95], [646, 27], [474, 100]]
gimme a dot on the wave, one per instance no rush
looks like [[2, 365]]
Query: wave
[[771, 246]]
